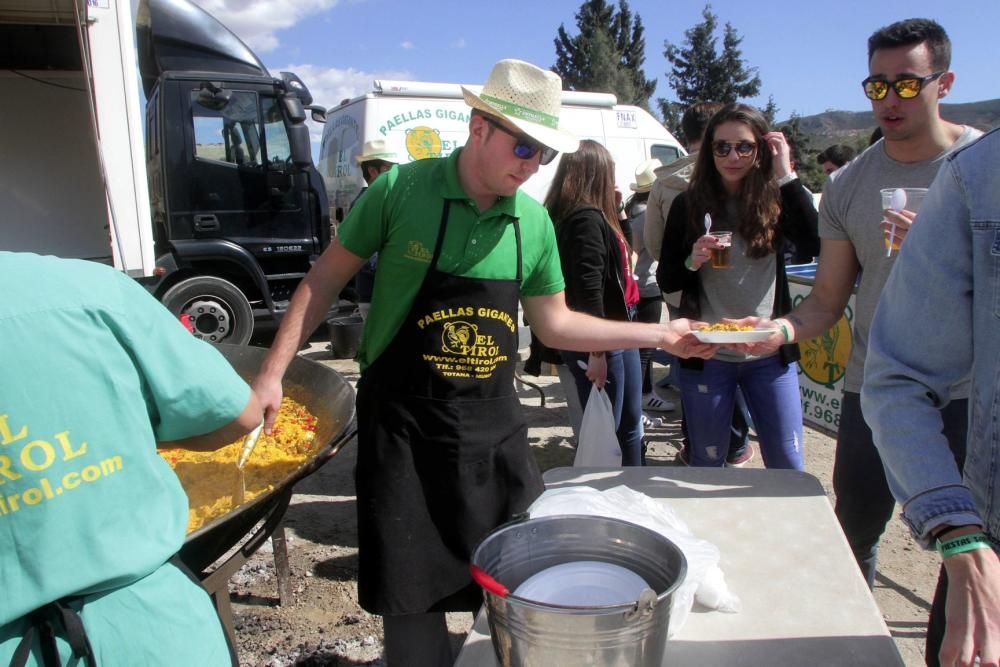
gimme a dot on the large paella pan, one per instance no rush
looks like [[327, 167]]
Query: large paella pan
[[325, 394]]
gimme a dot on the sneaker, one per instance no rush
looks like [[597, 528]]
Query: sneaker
[[652, 422], [654, 403], [743, 458]]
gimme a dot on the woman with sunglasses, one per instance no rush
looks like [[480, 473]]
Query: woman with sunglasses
[[596, 265], [746, 184]]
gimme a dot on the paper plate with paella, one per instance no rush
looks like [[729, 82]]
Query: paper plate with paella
[[723, 333]]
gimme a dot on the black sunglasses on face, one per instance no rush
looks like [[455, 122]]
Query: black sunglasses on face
[[524, 147], [907, 88], [744, 149]]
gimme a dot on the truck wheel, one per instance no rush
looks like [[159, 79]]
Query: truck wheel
[[219, 312]]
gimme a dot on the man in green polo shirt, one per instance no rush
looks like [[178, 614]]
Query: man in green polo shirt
[[443, 456]]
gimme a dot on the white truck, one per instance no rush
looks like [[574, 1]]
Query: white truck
[[219, 211], [420, 120], [73, 177]]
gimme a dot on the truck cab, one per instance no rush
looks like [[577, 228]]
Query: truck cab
[[239, 212]]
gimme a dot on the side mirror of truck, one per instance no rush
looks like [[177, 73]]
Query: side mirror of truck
[[295, 85], [212, 96], [294, 110], [299, 147], [318, 113]]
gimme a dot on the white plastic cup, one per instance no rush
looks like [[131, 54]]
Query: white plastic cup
[[720, 254], [914, 198]]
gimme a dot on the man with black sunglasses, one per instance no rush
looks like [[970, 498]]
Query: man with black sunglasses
[[443, 454], [908, 66]]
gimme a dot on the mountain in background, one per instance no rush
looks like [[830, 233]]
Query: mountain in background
[[848, 127], [811, 134]]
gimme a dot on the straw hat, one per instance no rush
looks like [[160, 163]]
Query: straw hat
[[645, 175], [529, 98], [376, 150]]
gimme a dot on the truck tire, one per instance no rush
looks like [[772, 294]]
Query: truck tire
[[219, 311]]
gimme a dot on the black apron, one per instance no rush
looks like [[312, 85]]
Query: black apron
[[443, 454]]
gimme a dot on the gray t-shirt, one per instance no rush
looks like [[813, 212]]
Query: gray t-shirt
[[851, 210], [746, 288]]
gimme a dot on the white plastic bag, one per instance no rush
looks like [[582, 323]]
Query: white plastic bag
[[598, 444], [704, 582]]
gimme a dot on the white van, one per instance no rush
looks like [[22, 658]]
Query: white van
[[420, 120]]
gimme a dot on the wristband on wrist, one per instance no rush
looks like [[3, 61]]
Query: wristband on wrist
[[938, 535], [959, 545], [785, 331], [688, 264]]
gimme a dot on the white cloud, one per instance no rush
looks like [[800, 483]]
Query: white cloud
[[407, 44], [459, 43], [256, 22], [330, 86]]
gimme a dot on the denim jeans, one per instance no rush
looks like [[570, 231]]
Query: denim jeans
[[624, 388], [649, 310], [771, 390], [864, 502]]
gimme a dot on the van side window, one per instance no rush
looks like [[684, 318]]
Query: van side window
[[665, 154], [230, 134]]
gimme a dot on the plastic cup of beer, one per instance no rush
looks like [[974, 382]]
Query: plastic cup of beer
[[720, 254], [914, 198]]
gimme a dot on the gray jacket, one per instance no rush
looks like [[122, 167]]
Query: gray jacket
[[671, 180]]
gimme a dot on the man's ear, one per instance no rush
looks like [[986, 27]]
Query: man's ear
[[478, 127], [945, 83]]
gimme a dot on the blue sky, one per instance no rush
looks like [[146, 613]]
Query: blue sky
[[811, 55]]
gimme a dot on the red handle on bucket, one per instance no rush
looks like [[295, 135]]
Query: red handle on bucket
[[486, 581]]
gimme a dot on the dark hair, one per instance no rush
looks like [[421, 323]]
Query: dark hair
[[910, 33], [585, 179], [839, 154], [759, 198], [635, 199], [695, 119], [875, 135], [376, 164]]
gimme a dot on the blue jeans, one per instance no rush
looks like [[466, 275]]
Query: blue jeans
[[624, 388], [864, 502], [771, 390]]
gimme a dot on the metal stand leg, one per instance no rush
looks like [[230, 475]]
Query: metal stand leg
[[281, 568], [534, 386]]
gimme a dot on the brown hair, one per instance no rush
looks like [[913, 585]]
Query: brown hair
[[759, 198], [585, 179]]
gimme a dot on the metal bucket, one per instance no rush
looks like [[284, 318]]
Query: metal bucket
[[345, 335], [529, 633]]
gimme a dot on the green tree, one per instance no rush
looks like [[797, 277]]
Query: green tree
[[699, 73], [803, 154], [606, 55]]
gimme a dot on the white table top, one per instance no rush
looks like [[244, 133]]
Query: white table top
[[783, 553]]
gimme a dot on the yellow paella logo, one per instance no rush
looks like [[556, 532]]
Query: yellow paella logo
[[423, 142], [457, 337], [824, 358]]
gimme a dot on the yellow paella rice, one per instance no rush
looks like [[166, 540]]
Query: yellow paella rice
[[211, 478], [726, 326]]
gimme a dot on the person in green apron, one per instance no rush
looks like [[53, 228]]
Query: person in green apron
[[443, 456], [95, 373]]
